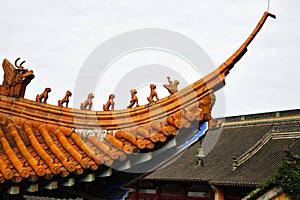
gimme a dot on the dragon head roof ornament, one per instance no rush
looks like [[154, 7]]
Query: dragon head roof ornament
[[15, 79]]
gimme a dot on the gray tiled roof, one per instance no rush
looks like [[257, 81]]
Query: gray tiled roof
[[256, 141]]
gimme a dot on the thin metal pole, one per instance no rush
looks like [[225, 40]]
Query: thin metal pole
[[268, 5]]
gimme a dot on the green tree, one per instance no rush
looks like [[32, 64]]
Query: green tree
[[287, 176]]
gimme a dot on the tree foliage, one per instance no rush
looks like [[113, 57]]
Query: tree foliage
[[287, 176]]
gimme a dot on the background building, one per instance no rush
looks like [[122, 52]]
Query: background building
[[249, 150]]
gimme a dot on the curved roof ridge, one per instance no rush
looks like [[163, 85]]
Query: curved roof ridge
[[260, 144], [262, 118]]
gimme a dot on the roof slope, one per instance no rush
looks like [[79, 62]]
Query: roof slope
[[31, 149], [35, 151], [248, 150]]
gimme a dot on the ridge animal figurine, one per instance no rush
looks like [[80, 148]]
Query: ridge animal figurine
[[44, 95], [172, 87], [134, 99], [88, 103], [152, 93], [65, 99], [109, 103]]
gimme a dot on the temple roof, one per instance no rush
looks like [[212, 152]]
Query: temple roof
[[31, 148], [248, 151], [41, 147], [42, 144]]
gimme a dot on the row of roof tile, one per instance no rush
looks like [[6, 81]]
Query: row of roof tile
[[38, 147]]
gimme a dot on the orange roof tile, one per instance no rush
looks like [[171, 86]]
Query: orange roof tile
[[37, 146]]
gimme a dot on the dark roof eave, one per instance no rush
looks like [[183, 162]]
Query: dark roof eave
[[210, 182], [176, 180], [240, 184]]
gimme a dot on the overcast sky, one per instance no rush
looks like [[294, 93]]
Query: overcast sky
[[56, 37]]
